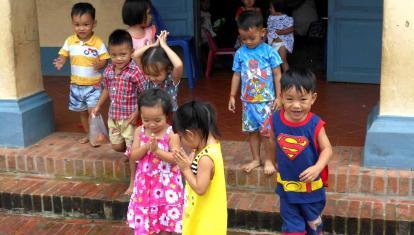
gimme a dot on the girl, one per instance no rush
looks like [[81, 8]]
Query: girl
[[280, 31], [137, 15], [205, 205], [157, 199], [162, 66]]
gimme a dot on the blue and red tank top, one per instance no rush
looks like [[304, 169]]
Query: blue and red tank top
[[296, 150]]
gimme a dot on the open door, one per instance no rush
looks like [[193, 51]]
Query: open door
[[354, 40]]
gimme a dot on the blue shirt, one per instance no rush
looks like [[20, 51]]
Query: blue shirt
[[296, 150], [255, 67], [168, 86]]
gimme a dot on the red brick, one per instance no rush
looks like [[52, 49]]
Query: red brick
[[403, 212], [390, 211], [379, 211], [331, 180], [40, 165], [119, 169], [30, 164], [59, 167], [353, 180], [342, 208], [404, 183], [366, 209], [21, 162], [366, 181], [11, 162], [241, 178], [245, 200], [99, 169], [234, 200], [392, 184], [108, 169], [379, 182], [69, 168], [88, 168], [354, 209], [253, 178], [79, 167], [3, 165], [341, 180], [50, 166]]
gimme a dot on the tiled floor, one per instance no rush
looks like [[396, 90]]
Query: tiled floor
[[343, 106]]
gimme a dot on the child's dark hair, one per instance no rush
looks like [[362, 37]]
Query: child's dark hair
[[155, 59], [154, 97], [300, 79], [81, 8], [278, 5], [119, 37], [135, 11], [250, 19], [196, 115]]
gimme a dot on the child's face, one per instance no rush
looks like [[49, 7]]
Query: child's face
[[153, 118], [297, 104], [252, 37], [158, 77], [83, 26], [248, 3], [120, 55], [190, 139]]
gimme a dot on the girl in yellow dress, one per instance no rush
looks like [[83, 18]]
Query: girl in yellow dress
[[205, 203]]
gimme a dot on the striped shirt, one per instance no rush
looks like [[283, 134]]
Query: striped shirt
[[124, 89], [82, 55]]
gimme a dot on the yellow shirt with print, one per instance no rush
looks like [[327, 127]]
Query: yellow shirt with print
[[82, 55], [207, 214]]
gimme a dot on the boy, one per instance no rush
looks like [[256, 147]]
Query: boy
[[88, 55], [303, 151], [123, 81], [256, 64]]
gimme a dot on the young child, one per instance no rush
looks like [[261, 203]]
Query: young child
[[205, 203], [248, 5], [280, 31], [162, 67], [123, 82], [157, 199], [137, 15], [88, 55], [303, 151], [256, 64]]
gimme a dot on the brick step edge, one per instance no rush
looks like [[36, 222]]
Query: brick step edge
[[344, 213], [342, 179], [26, 224]]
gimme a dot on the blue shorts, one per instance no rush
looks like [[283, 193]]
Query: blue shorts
[[255, 115], [83, 97], [298, 217]]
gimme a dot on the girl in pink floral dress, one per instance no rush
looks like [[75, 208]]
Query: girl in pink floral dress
[[156, 202]]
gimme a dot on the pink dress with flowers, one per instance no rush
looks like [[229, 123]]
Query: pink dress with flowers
[[157, 199]]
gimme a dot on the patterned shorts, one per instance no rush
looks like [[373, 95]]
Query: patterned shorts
[[255, 117], [83, 97]]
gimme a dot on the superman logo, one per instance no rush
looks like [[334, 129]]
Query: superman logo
[[291, 145]]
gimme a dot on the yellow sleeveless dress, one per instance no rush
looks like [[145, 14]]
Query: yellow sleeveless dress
[[207, 214]]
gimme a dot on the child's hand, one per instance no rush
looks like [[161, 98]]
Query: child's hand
[[310, 174], [277, 104], [153, 146], [232, 104], [182, 160], [59, 62], [163, 38], [132, 119], [95, 111]]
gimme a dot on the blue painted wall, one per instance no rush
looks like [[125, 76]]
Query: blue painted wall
[[47, 55], [354, 40]]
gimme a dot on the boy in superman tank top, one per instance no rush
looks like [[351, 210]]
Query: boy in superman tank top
[[302, 154]]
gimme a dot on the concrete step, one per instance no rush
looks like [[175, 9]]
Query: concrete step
[[258, 211], [60, 156], [29, 225]]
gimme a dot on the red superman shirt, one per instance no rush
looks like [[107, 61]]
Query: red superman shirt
[[296, 150]]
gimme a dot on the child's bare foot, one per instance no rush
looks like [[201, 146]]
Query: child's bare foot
[[129, 190], [94, 144], [269, 168], [251, 165], [84, 140]]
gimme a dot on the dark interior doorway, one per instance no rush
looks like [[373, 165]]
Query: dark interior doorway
[[310, 39]]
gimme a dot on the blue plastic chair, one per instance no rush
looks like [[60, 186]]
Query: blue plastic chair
[[191, 66]]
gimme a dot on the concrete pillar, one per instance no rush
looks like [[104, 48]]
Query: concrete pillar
[[390, 133], [26, 113]]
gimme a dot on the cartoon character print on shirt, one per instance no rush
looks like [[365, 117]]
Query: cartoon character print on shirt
[[291, 145], [256, 81]]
